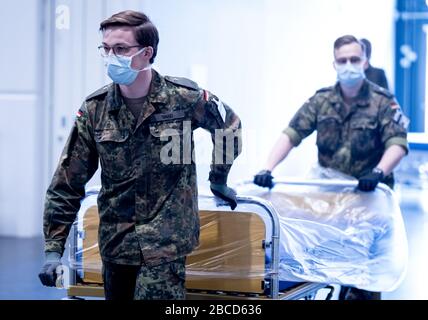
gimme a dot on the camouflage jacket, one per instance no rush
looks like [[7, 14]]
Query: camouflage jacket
[[351, 140], [148, 199]]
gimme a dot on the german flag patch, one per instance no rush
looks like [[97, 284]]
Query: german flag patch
[[394, 105], [401, 119], [206, 95]]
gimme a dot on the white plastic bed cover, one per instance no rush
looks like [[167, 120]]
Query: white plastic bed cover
[[330, 232]]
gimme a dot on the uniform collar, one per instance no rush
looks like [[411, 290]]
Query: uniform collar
[[363, 97], [157, 93]]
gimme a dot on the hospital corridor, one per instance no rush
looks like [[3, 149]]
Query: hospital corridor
[[214, 150]]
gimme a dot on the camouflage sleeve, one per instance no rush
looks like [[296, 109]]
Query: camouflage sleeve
[[393, 125], [303, 123], [78, 163], [225, 128]]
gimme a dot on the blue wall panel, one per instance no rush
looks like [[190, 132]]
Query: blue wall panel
[[410, 52]]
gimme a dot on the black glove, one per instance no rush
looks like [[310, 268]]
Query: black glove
[[369, 181], [48, 274], [225, 193], [264, 179]]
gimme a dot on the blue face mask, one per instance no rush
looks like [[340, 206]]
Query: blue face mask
[[119, 68], [350, 75]]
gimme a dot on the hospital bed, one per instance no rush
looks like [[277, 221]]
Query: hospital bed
[[257, 251]]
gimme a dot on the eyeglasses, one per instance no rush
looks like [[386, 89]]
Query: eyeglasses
[[117, 50], [352, 60]]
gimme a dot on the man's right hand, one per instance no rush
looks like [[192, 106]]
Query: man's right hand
[[264, 179], [48, 274]]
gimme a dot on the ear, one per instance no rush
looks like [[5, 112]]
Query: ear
[[366, 64], [334, 65], [148, 53]]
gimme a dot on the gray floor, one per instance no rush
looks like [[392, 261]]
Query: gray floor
[[21, 259], [20, 262]]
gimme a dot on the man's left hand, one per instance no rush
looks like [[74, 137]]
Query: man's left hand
[[369, 181], [224, 192]]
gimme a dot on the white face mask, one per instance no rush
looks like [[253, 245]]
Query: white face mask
[[119, 68], [350, 74]]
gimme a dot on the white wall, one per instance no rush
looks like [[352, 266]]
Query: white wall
[[262, 57], [265, 59], [19, 106], [219, 44]]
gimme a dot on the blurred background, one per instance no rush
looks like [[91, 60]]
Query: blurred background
[[264, 58]]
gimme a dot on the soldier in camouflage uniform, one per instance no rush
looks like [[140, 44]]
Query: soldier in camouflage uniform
[[361, 130], [140, 128]]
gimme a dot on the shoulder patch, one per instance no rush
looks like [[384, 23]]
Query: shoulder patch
[[183, 82], [215, 102], [97, 93], [220, 107], [83, 110], [394, 105], [399, 116]]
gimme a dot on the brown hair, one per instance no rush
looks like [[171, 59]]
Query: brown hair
[[348, 39], [145, 31], [368, 47]]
